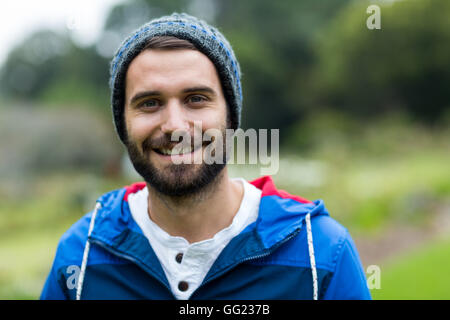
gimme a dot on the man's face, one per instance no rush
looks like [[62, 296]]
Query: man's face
[[167, 91]]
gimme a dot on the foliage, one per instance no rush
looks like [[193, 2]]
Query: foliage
[[405, 66], [49, 68], [298, 58]]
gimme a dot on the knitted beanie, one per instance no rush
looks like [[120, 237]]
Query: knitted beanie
[[204, 37]]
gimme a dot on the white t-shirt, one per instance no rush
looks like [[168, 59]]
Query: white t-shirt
[[185, 264]]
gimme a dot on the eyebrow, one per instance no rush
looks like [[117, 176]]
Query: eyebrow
[[140, 95]]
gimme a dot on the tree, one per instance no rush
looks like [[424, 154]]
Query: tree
[[403, 66]]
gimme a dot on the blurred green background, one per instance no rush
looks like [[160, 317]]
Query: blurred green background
[[364, 119]]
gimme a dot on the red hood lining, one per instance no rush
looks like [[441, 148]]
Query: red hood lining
[[264, 183], [268, 188]]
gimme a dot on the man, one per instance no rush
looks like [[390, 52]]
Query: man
[[189, 231]]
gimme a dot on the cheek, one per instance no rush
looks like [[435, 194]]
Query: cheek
[[139, 127], [215, 118]]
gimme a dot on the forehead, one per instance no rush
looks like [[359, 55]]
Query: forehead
[[170, 70]]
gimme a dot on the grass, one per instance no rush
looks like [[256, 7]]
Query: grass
[[25, 261], [419, 274]]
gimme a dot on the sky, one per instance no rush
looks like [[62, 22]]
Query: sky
[[19, 18]]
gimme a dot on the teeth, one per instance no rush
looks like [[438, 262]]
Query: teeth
[[176, 150]]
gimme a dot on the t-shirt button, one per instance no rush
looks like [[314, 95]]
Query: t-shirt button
[[179, 257], [183, 285]]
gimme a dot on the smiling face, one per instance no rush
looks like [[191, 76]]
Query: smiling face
[[167, 91]]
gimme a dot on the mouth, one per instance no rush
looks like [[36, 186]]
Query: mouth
[[178, 150]]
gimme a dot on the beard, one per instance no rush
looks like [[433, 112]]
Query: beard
[[175, 180]]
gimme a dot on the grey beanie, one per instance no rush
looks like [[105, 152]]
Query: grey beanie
[[204, 37]]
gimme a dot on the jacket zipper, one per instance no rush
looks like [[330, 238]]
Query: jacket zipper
[[258, 256]]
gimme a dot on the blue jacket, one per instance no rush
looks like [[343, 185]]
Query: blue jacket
[[270, 259]]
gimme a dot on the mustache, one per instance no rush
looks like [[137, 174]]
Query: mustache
[[168, 142], [163, 141]]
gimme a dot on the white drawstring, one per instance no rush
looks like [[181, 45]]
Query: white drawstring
[[312, 258], [86, 252]]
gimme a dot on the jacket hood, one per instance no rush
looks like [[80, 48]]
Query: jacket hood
[[280, 213]]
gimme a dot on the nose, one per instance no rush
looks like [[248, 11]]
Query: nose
[[174, 117]]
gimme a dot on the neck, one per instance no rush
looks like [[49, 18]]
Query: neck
[[200, 216]]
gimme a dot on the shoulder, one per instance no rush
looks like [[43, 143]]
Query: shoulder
[[71, 244], [329, 238]]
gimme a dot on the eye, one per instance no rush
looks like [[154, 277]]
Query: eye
[[150, 103], [196, 99]]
